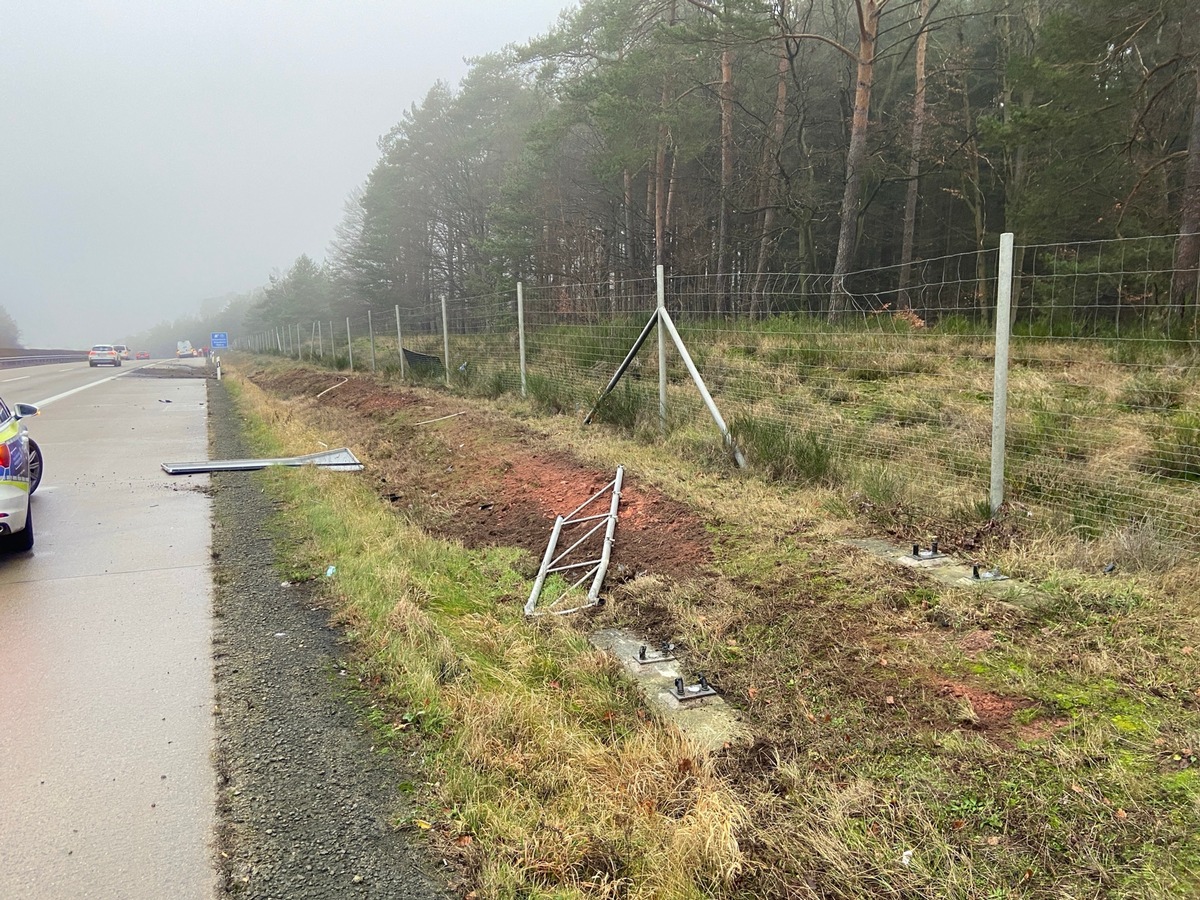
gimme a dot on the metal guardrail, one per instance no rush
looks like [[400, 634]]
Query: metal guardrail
[[7, 362]]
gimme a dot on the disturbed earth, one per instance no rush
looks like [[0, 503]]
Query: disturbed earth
[[309, 807]]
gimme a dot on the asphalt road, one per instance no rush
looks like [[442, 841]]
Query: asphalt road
[[106, 688]]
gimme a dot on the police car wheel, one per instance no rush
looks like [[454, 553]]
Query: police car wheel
[[22, 541], [35, 466]]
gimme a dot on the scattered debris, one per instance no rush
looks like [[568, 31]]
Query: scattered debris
[[331, 571], [440, 419], [341, 460], [328, 389]]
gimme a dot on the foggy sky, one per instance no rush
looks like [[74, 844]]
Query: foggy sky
[[157, 152]]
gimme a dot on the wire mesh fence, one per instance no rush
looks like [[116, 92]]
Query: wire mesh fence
[[886, 391]]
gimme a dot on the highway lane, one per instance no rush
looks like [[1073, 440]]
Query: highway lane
[[106, 735]]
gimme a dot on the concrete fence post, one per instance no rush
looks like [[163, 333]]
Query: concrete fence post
[[1004, 281]]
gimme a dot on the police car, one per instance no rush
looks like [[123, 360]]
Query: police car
[[20, 475]]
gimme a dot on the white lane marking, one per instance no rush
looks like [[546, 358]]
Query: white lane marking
[[85, 387], [22, 378]]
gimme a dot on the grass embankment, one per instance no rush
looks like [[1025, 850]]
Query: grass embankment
[[914, 739], [553, 784]]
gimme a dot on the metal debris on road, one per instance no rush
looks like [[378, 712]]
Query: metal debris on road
[[341, 460]]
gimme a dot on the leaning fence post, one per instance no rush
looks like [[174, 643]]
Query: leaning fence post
[[1000, 379], [521, 334], [446, 340], [661, 305], [349, 346], [399, 342], [371, 332]]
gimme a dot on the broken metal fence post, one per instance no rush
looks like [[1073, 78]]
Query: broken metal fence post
[[349, 345], [593, 568], [606, 553], [543, 570], [399, 342], [661, 307], [1000, 376], [446, 340], [665, 317], [521, 334], [371, 333]]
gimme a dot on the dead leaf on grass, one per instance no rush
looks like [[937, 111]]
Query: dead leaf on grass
[[463, 840]]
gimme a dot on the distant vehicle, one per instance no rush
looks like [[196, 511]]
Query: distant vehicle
[[183, 349], [104, 355], [20, 475], [122, 350], [143, 354]]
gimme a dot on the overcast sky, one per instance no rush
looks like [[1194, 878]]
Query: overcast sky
[[154, 153]]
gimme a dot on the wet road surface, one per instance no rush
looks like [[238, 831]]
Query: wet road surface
[[106, 734]]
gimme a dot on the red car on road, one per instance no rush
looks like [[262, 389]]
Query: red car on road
[[143, 354]]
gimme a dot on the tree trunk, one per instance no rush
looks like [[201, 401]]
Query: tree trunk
[[856, 156], [1185, 285], [631, 254], [972, 192], [767, 193], [726, 96], [914, 164], [660, 167]]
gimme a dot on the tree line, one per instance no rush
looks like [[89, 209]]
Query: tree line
[[732, 138]]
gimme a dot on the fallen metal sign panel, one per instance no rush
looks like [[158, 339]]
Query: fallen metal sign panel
[[341, 460]]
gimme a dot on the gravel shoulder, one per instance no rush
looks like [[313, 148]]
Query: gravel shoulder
[[305, 803]]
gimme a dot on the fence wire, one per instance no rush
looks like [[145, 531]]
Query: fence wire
[[885, 390]]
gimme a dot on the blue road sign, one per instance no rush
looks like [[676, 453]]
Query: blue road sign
[[219, 340]]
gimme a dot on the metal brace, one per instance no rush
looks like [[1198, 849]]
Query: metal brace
[[993, 575], [696, 691], [923, 555], [666, 653]]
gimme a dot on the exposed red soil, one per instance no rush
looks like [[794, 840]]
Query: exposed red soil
[[501, 489], [992, 711]]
